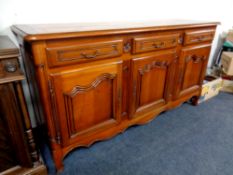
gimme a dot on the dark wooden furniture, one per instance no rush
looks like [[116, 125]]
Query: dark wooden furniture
[[95, 80], [18, 154]]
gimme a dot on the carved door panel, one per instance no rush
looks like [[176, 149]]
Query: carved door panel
[[86, 100], [192, 67], [152, 79]]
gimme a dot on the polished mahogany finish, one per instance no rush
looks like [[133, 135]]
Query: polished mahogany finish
[[18, 152], [93, 81]]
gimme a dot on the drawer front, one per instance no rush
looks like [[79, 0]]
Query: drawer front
[[154, 43], [70, 54], [193, 37], [9, 70]]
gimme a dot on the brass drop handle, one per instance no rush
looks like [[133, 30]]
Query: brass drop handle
[[89, 56], [162, 44]]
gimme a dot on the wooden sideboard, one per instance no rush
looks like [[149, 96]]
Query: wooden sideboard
[[18, 151], [93, 81]]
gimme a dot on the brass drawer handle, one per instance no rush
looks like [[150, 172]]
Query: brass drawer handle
[[162, 44], [10, 67], [174, 41], [89, 56], [200, 38]]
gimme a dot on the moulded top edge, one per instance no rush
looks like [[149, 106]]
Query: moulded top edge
[[32, 32]]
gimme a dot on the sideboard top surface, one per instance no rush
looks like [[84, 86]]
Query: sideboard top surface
[[7, 47], [33, 32]]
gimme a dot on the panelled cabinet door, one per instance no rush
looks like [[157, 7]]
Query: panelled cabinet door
[[152, 79], [192, 66], [86, 100]]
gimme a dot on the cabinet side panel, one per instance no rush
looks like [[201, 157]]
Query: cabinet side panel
[[32, 84]]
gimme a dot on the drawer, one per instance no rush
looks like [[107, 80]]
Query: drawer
[[9, 70], [80, 53], [193, 37], [152, 43]]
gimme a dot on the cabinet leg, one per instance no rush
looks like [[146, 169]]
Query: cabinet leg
[[194, 100], [58, 157]]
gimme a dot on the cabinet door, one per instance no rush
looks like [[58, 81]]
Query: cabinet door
[[192, 66], [13, 143], [86, 100], [152, 79]]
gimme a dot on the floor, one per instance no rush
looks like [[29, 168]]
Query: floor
[[185, 141]]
